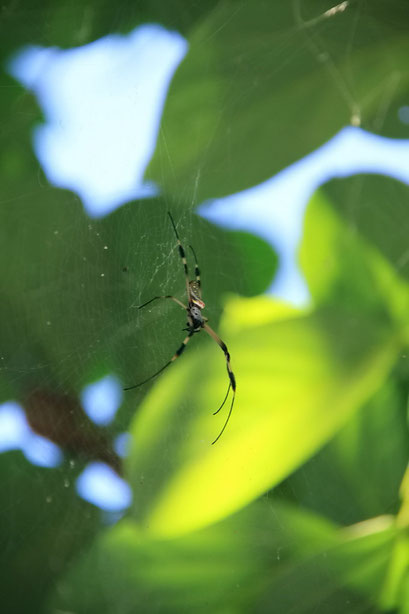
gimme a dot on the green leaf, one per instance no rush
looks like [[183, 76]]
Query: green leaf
[[358, 473], [376, 208], [343, 268], [346, 571], [395, 589], [298, 381], [57, 24], [268, 553], [265, 83], [43, 525]]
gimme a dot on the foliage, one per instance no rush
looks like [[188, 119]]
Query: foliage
[[302, 506]]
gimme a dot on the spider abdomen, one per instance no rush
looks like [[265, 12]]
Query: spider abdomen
[[196, 316]]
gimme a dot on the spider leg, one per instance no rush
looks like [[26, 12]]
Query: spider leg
[[172, 298], [223, 346], [182, 256], [227, 419], [197, 272], [232, 383], [176, 355], [224, 400]]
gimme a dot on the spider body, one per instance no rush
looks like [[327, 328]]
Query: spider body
[[196, 322]]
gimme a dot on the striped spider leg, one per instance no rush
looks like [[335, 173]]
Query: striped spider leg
[[196, 322]]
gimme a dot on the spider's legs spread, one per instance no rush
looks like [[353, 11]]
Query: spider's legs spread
[[232, 382]]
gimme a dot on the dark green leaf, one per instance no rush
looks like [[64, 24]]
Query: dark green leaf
[[265, 83], [43, 525]]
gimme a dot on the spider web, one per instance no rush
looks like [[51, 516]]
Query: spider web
[[73, 283]]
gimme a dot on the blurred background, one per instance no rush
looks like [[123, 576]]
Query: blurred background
[[276, 136]]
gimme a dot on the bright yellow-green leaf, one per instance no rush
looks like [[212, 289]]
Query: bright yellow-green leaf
[[298, 380], [240, 314]]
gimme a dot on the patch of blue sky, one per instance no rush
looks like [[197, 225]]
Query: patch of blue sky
[[102, 104], [122, 444], [102, 399], [100, 485], [13, 426], [43, 452], [16, 434]]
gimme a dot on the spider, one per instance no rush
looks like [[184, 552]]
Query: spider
[[195, 323]]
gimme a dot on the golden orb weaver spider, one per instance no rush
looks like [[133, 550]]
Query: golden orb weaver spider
[[195, 323]]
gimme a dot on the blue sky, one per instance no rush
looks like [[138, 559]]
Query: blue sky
[[102, 105]]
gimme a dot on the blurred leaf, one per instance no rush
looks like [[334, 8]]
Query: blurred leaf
[[403, 516], [394, 593], [70, 23], [404, 596], [298, 380], [358, 473], [43, 525], [202, 573], [266, 554], [342, 268], [363, 465], [377, 208], [395, 590], [345, 574], [265, 83]]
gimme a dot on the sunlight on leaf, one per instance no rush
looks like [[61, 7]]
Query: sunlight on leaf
[[298, 381]]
